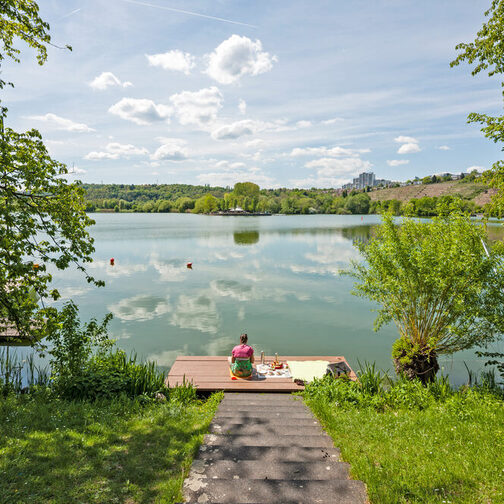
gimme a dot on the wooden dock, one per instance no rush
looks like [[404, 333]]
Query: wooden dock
[[211, 373]]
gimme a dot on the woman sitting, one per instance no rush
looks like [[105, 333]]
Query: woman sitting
[[242, 358]]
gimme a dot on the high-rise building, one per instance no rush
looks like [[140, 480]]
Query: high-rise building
[[366, 179]]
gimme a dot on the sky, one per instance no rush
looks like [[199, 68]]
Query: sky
[[281, 93]]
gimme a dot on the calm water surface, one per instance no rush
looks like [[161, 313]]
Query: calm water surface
[[275, 278]]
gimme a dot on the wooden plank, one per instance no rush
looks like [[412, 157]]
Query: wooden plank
[[206, 358], [211, 372]]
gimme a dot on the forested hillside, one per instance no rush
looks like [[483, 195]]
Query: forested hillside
[[424, 199]]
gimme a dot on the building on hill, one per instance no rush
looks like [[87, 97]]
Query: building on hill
[[366, 179]]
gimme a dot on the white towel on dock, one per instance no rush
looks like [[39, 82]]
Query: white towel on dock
[[308, 370]]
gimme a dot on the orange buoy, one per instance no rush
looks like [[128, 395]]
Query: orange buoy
[[112, 261], [189, 265]]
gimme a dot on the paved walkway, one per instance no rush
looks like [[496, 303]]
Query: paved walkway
[[269, 448]]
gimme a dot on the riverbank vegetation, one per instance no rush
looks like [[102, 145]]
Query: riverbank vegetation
[[416, 443], [409, 200], [438, 282], [94, 425]]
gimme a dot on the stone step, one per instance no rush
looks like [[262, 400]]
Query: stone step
[[268, 439], [257, 395], [268, 453], [266, 422], [274, 491], [269, 404], [264, 414], [251, 429], [272, 470], [274, 408], [267, 401]]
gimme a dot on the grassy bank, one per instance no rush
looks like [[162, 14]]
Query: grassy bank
[[110, 451], [418, 446]]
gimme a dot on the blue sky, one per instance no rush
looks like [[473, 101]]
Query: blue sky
[[282, 93]]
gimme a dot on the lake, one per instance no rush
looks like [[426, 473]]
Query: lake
[[275, 278]]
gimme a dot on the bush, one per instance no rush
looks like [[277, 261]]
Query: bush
[[86, 365], [112, 374]]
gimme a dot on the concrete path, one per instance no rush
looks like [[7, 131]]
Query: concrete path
[[269, 448]]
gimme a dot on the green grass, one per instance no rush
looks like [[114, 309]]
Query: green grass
[[55, 451], [451, 451]]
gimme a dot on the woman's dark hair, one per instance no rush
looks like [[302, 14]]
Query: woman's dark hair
[[243, 339]]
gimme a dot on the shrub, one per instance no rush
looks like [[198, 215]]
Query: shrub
[[86, 365]]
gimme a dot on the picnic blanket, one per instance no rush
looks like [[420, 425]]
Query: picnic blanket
[[264, 371], [307, 370]]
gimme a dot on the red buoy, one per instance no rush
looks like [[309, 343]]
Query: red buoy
[[189, 265], [112, 261]]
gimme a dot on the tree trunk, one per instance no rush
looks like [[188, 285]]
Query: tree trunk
[[421, 366]]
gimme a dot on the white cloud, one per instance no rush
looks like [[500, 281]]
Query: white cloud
[[405, 139], [75, 170], [140, 308], [397, 162], [238, 129], [334, 120], [408, 148], [62, 124], [141, 111], [232, 289], [331, 167], [226, 165], [197, 107], [172, 149], [410, 145], [96, 156], [196, 312], [229, 177], [169, 271], [173, 60], [444, 147], [304, 124], [327, 151], [107, 79], [116, 150], [479, 169], [254, 143], [331, 172], [119, 269], [242, 106], [238, 56]]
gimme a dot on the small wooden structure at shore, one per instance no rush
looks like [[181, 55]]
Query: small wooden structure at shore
[[9, 336], [211, 373]]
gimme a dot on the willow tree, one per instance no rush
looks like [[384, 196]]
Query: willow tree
[[42, 216], [437, 283]]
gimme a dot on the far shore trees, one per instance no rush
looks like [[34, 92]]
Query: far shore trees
[[42, 216], [436, 282]]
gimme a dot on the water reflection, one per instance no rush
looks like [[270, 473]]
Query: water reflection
[[198, 313], [246, 237], [276, 278], [360, 233]]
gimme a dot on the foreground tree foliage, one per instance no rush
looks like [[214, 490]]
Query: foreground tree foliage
[[486, 53], [436, 282], [42, 216]]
